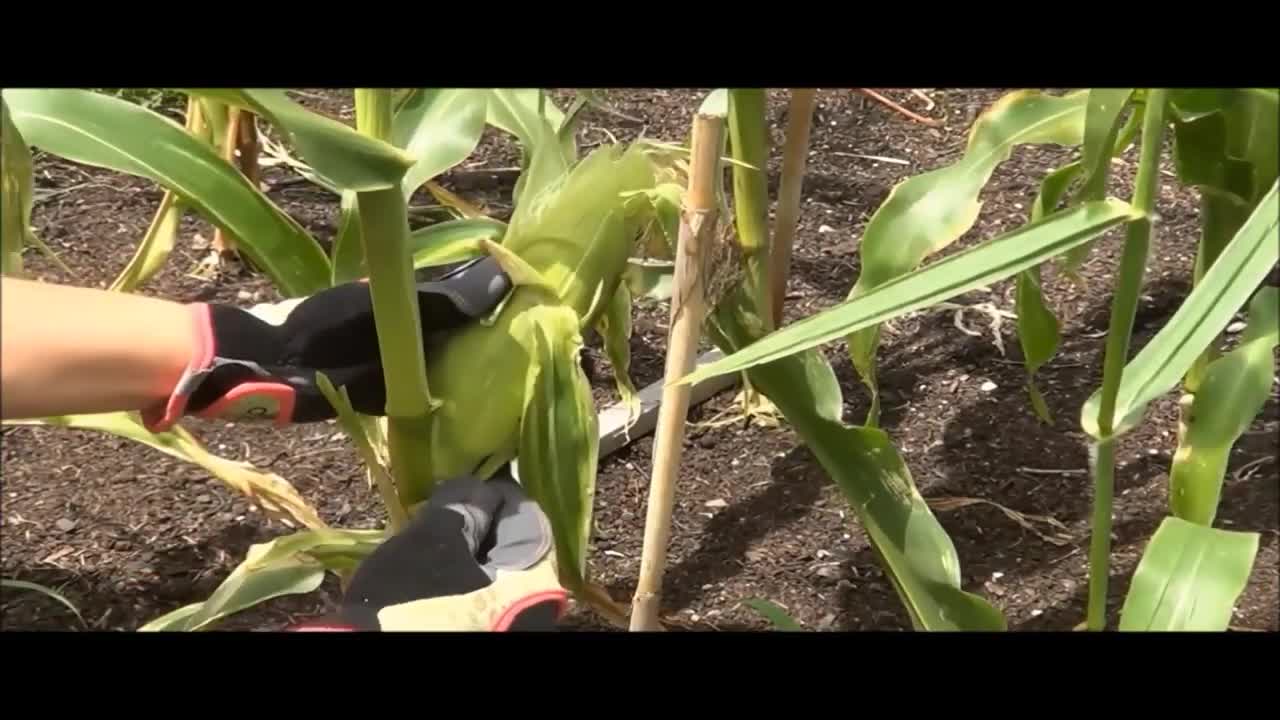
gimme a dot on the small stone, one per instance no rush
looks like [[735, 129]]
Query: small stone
[[695, 617], [708, 586], [997, 575], [1153, 452], [988, 386], [828, 572], [754, 555], [204, 498], [244, 295], [65, 524], [336, 437], [827, 622], [717, 503], [824, 229], [1237, 326], [1037, 612], [823, 554]]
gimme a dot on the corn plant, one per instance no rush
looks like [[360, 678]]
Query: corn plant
[[1225, 144]]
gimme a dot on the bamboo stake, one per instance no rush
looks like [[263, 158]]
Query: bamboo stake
[[795, 154], [688, 308]]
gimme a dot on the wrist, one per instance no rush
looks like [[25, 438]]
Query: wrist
[[187, 358]]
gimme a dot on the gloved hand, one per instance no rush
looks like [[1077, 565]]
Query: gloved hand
[[478, 556], [262, 362]]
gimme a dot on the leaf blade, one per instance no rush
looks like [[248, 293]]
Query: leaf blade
[[438, 128]]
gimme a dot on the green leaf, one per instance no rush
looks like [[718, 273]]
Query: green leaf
[[16, 197], [1202, 159], [1101, 125], [1233, 391], [559, 438], [290, 565], [46, 591], [1189, 579], [1037, 326], [984, 264], [545, 157], [749, 145], [348, 246], [155, 246], [439, 128], [345, 158], [453, 240], [1225, 288], [615, 329], [103, 131], [774, 614], [928, 212], [914, 549]]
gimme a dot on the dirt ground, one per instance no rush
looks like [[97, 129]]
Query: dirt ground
[[127, 533]]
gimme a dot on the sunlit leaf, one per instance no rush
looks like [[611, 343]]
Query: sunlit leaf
[[453, 240], [1233, 391], [615, 329], [928, 212], [348, 248], [1189, 578], [984, 264], [155, 247], [1225, 288], [545, 156], [439, 128], [290, 565], [345, 158], [103, 131], [1102, 124]]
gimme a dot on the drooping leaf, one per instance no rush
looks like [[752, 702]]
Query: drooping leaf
[[984, 264], [558, 433], [1037, 326], [453, 240], [103, 131], [928, 212], [290, 565], [345, 158], [1235, 388], [277, 497], [649, 279], [1189, 578], [615, 329], [155, 246], [439, 128], [915, 551], [43, 590], [774, 614], [1206, 312]]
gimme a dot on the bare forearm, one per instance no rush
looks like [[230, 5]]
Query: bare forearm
[[69, 350]]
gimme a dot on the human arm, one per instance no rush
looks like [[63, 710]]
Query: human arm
[[70, 350]]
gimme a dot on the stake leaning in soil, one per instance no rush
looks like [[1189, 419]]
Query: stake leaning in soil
[[688, 307]]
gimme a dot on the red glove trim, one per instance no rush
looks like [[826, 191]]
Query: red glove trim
[[283, 395], [511, 614], [322, 627], [159, 418]]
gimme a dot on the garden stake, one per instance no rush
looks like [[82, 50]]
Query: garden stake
[[794, 155], [688, 308]]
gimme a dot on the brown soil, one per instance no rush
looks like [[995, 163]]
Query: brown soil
[[127, 533]]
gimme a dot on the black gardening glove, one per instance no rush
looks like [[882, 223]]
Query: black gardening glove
[[262, 362], [478, 556]]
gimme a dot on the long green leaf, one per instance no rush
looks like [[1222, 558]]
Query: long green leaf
[[545, 157], [1037, 326], [1189, 579], [1235, 388], [749, 145], [46, 591], [928, 212], [155, 247], [290, 565], [100, 130], [439, 128], [1102, 124], [453, 240], [1224, 289], [345, 158], [348, 245], [915, 551], [984, 264], [558, 433]]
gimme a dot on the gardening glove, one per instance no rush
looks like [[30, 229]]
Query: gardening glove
[[477, 557], [262, 362]]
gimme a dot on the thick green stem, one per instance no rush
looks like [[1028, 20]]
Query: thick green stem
[[384, 229], [749, 143], [1123, 308]]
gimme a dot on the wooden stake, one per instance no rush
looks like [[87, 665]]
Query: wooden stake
[[688, 308], [795, 154]]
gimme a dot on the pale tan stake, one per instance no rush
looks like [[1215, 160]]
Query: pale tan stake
[[688, 308]]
